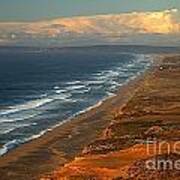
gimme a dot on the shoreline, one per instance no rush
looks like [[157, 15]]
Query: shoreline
[[59, 145], [4, 150], [125, 146], [62, 144]]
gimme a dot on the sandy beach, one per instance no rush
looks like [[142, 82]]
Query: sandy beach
[[99, 135]]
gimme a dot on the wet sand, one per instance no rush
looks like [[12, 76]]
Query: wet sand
[[152, 113], [64, 143]]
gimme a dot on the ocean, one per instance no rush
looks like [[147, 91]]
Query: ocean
[[42, 88]]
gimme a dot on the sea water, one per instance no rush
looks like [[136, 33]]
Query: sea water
[[41, 88]]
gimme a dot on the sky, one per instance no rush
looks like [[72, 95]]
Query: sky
[[89, 22], [29, 10]]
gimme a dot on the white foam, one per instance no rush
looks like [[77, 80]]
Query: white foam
[[37, 135], [75, 87], [43, 95], [106, 75], [82, 90], [94, 82], [112, 73], [130, 65], [98, 74], [11, 119], [90, 108], [12, 127], [73, 82], [62, 96], [60, 91], [26, 106], [7, 146], [7, 131], [56, 87], [110, 94], [114, 83]]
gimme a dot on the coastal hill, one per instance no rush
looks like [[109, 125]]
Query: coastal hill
[[146, 129]]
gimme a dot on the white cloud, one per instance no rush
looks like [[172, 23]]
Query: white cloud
[[100, 28]]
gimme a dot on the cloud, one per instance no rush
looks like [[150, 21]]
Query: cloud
[[118, 28]]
